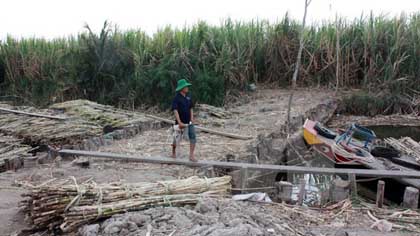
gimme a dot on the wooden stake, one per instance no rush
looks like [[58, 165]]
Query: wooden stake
[[353, 185], [302, 191], [411, 198], [209, 172], [244, 179], [284, 191], [380, 194]]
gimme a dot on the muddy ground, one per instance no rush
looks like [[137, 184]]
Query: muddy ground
[[259, 114]]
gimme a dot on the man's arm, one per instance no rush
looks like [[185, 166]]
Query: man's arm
[[178, 119]]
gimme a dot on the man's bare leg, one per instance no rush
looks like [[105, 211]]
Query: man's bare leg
[[192, 147], [173, 150]]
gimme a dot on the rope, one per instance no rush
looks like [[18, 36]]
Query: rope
[[128, 192], [207, 183], [342, 152], [167, 187], [99, 202], [76, 200], [367, 180], [166, 200]]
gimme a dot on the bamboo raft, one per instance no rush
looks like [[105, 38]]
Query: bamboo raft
[[68, 205]]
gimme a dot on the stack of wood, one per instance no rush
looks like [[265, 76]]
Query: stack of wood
[[405, 145], [12, 153], [66, 206]]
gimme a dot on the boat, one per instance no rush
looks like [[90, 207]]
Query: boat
[[354, 148], [341, 148]]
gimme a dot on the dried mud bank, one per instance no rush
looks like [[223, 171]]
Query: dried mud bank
[[279, 148], [274, 148]]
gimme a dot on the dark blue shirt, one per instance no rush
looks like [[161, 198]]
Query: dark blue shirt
[[183, 105]]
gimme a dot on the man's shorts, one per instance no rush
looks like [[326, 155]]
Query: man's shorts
[[179, 134]]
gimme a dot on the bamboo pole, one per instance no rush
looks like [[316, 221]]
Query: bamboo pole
[[32, 114], [405, 174], [211, 131]]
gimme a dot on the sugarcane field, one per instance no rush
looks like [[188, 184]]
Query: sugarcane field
[[199, 118]]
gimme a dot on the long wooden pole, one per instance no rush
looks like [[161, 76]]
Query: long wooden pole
[[32, 114], [238, 165], [337, 68], [297, 65], [211, 131]]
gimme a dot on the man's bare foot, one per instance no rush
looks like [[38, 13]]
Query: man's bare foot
[[173, 155], [193, 159]]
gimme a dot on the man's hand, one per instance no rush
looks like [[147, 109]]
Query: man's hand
[[181, 125]]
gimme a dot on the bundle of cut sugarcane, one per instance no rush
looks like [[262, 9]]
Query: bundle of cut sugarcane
[[50, 204], [65, 123], [406, 145]]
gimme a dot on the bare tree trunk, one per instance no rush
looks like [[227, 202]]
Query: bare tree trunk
[[297, 66]]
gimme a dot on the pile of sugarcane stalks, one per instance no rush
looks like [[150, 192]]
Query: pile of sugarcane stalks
[[70, 122], [214, 111], [405, 145], [68, 205], [100, 114], [42, 129], [12, 153]]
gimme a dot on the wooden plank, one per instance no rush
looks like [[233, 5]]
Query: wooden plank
[[380, 190], [239, 165], [211, 131], [32, 114]]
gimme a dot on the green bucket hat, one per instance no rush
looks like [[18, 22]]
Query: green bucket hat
[[182, 84]]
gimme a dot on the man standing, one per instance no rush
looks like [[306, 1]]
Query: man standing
[[182, 108]]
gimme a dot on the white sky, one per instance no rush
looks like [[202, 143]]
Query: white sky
[[54, 18]]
